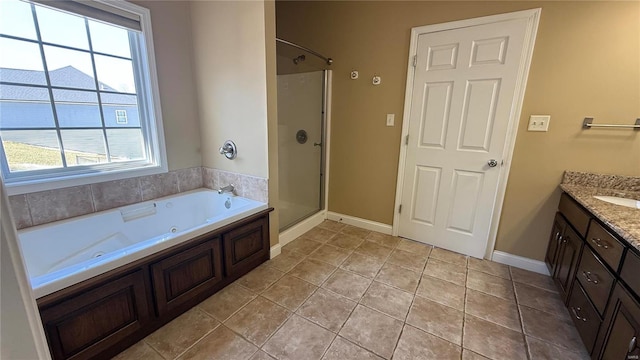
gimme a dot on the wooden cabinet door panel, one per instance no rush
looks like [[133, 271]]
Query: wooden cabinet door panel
[[179, 278], [629, 272], [619, 339], [246, 246], [551, 258], [570, 249], [78, 328]]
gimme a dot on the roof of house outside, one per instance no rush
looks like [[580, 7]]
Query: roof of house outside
[[67, 76]]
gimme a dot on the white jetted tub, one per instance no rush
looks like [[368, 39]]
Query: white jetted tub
[[67, 252]]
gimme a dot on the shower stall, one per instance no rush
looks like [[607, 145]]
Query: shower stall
[[303, 83]]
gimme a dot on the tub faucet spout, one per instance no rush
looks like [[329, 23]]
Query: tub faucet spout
[[227, 189]]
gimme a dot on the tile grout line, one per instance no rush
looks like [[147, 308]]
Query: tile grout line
[[464, 308], [524, 336]]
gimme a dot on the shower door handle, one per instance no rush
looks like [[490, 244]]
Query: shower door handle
[[317, 144]]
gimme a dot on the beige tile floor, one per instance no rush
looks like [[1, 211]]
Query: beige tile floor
[[341, 292]]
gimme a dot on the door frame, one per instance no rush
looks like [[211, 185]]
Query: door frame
[[533, 18]]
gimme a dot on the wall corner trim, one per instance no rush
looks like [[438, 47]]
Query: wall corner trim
[[520, 262], [275, 251], [359, 222]]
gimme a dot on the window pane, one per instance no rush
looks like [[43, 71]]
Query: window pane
[[82, 147], [31, 149], [77, 108], [125, 144], [113, 106], [109, 39], [69, 68], [61, 28], [115, 74], [25, 107], [20, 62], [16, 19]]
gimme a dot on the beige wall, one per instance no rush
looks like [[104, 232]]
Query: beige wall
[[586, 63], [230, 67], [272, 116], [172, 41]]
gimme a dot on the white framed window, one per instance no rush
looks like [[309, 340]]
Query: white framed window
[[121, 117], [78, 94]]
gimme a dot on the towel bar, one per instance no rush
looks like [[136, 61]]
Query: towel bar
[[588, 123]]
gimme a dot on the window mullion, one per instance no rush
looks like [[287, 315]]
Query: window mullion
[[95, 78], [48, 80]]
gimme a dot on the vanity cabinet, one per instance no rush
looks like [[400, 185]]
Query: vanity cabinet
[[565, 244], [601, 290], [100, 317]]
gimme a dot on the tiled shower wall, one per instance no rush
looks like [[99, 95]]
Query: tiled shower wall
[[52, 205]]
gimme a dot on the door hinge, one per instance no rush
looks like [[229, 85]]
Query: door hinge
[[415, 60], [406, 140], [400, 209]]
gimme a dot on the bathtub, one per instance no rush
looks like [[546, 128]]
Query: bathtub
[[63, 253]]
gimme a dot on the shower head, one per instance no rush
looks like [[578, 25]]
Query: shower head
[[299, 59]]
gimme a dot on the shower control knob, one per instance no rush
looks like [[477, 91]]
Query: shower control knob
[[492, 163]]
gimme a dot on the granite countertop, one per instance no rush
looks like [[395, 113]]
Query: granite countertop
[[623, 220]]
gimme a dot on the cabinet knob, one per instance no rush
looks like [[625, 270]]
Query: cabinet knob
[[632, 344]]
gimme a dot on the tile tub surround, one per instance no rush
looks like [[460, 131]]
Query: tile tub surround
[[43, 207], [314, 306], [623, 220]]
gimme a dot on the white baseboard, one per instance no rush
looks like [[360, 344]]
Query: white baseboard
[[359, 222], [275, 251], [300, 228], [520, 262]]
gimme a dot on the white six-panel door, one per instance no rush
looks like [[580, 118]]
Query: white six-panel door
[[462, 101]]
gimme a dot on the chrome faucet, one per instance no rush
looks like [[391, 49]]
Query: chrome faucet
[[229, 188]]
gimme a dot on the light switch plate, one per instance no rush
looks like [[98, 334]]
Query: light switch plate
[[539, 122], [391, 119]]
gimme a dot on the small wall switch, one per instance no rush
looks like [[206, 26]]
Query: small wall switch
[[354, 74], [376, 80], [391, 118], [539, 122]]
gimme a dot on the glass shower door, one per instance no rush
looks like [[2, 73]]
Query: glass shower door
[[300, 136]]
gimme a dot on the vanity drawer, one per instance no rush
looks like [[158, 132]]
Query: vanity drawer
[[629, 272], [584, 315], [596, 280], [605, 244], [578, 218]]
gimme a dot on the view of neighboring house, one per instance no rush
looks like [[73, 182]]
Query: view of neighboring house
[[25, 103], [74, 108]]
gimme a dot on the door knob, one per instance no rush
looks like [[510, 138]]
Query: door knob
[[492, 163]]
